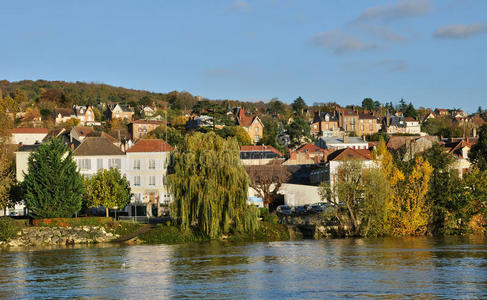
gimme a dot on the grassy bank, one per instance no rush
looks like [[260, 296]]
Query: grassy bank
[[173, 235]]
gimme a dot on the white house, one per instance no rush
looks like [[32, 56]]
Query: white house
[[335, 143], [146, 167], [28, 136], [412, 126], [96, 153]]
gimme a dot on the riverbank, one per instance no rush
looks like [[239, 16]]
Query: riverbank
[[92, 230]]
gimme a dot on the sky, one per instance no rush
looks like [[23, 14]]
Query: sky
[[432, 53]]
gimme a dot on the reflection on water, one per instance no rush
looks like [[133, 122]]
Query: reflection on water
[[446, 267]]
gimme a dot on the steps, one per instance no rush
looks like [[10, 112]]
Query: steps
[[128, 237]]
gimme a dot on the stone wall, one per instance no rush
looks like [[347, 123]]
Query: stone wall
[[47, 236], [314, 226]]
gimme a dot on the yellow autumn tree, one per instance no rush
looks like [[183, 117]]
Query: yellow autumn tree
[[392, 176], [409, 210]]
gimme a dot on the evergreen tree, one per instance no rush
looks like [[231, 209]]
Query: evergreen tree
[[478, 153], [53, 185], [107, 188], [299, 106], [368, 104], [209, 186]]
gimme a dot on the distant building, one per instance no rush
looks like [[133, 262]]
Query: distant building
[[441, 112], [348, 120], [139, 128], [84, 114], [259, 155], [307, 154], [119, 111], [367, 124], [412, 126], [79, 133], [253, 126], [342, 143], [324, 124]]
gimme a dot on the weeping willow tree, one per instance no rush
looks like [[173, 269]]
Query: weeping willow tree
[[209, 186]]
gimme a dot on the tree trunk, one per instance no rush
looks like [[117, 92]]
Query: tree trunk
[[106, 209]]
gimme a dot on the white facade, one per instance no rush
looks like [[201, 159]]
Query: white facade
[[342, 143], [147, 176], [27, 138], [90, 165], [413, 127]]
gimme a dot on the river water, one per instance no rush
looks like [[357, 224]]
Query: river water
[[380, 268]]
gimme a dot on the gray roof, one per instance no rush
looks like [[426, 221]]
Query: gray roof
[[96, 146]]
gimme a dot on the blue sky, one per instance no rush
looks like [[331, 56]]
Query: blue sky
[[432, 53]]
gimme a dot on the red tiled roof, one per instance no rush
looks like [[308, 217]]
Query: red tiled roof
[[310, 148], [260, 148], [366, 117], [349, 153], [409, 119], [151, 145], [396, 142], [22, 130]]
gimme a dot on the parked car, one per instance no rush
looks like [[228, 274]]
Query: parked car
[[299, 210], [284, 210], [317, 208]]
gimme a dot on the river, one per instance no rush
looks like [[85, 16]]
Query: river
[[450, 267]]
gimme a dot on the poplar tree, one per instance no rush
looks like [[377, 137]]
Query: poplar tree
[[209, 186], [53, 185]]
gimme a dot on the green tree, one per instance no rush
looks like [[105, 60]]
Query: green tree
[[298, 130], [368, 104], [109, 189], [209, 186], [445, 193], [478, 153], [299, 106], [53, 185], [169, 134], [410, 111]]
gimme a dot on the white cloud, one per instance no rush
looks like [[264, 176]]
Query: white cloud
[[460, 31], [401, 9], [341, 42]]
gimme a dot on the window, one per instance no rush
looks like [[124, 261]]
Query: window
[[137, 164], [84, 164], [152, 180], [115, 163], [99, 163], [256, 139], [152, 164], [256, 129], [136, 180]]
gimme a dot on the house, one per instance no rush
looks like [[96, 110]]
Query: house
[[62, 115], [307, 154], [342, 143], [441, 112], [202, 121], [119, 111], [428, 116], [412, 126], [253, 126], [348, 120], [367, 124], [324, 124], [329, 172], [395, 124], [97, 153], [27, 136], [146, 168], [139, 128], [79, 133], [459, 149], [84, 114], [258, 155]]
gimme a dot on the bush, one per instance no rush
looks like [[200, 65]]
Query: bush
[[267, 232], [263, 211], [74, 222], [270, 218], [172, 235], [8, 229]]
